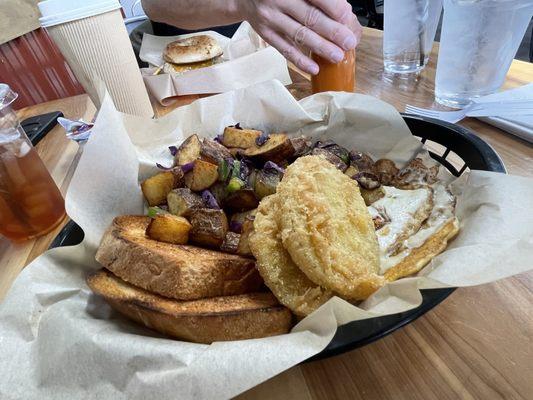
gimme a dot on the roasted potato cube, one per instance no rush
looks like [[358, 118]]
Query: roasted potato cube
[[235, 151], [351, 171], [302, 146], [209, 227], [241, 138], [361, 161], [415, 175], [189, 150], [231, 242], [243, 247], [243, 216], [219, 191], [371, 196], [277, 148], [181, 201], [332, 158], [266, 183], [156, 188], [334, 148], [203, 175], [169, 228], [367, 180], [386, 171], [213, 152], [242, 200]]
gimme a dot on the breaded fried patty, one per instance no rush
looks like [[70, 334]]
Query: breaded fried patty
[[290, 285], [327, 229]]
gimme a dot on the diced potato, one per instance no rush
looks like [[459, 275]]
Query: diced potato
[[169, 228], [241, 138], [302, 146], [242, 200], [209, 227], [371, 196], [351, 171], [189, 150], [235, 151], [244, 243], [266, 183], [332, 158], [202, 176], [243, 216], [219, 191], [181, 201], [362, 161], [277, 148], [386, 171], [156, 188], [213, 152], [336, 149], [231, 242]]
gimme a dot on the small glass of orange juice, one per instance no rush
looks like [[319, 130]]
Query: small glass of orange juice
[[335, 77]]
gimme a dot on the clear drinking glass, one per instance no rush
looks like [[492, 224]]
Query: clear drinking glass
[[30, 202], [408, 33], [478, 42]]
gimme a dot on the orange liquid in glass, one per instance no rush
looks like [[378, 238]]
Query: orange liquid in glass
[[335, 77], [30, 202]]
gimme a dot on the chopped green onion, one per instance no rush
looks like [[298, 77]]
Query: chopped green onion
[[223, 171], [235, 184], [236, 171], [154, 211]]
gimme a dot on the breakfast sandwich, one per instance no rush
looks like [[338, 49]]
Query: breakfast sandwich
[[191, 53]]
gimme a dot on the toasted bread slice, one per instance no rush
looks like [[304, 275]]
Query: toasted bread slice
[[245, 316], [177, 271]]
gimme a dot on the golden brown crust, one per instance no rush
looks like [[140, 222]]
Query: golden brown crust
[[178, 271], [290, 285], [193, 49], [327, 228], [239, 317], [420, 256]]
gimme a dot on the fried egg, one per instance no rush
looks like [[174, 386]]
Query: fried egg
[[410, 219]]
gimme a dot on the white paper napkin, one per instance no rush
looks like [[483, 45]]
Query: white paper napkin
[[521, 126]]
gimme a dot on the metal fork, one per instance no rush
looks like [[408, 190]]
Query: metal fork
[[485, 109]]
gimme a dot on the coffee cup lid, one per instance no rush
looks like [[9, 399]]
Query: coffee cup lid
[[55, 12]]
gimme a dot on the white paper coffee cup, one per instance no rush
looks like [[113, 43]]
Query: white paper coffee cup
[[93, 39]]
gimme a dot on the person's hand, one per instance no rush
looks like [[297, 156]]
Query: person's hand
[[327, 28]]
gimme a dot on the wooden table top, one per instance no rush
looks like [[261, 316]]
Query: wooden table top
[[476, 344]]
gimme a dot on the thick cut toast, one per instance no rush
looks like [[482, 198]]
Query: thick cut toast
[[239, 317], [177, 271]]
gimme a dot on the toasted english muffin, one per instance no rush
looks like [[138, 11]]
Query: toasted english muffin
[[245, 316], [327, 229], [181, 272]]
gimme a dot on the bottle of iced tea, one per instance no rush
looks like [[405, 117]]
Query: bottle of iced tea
[[338, 77], [30, 202]]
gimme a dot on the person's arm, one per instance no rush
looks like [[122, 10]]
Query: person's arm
[[294, 27], [193, 14]]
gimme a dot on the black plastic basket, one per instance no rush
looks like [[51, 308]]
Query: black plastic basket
[[468, 152]]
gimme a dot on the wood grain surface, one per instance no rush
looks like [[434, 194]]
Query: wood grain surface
[[475, 345]]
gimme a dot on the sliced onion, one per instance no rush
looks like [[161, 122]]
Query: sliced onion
[[210, 200], [262, 139], [162, 167], [274, 166], [187, 167], [173, 150]]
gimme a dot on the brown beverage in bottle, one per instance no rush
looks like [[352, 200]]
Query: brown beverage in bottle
[[338, 77], [30, 202]]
